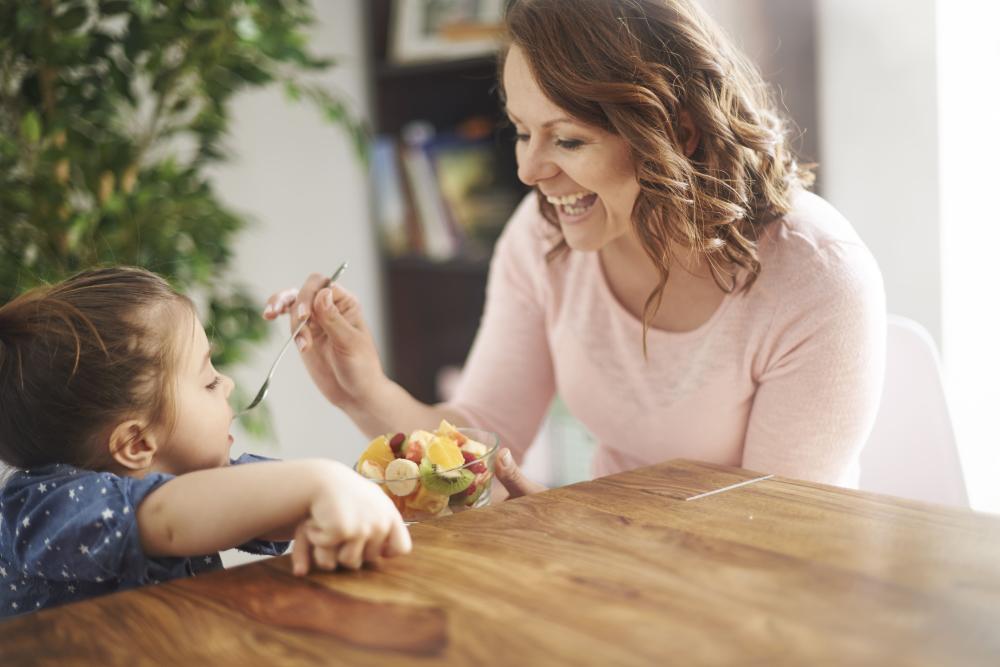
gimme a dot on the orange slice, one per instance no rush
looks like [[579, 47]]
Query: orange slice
[[378, 452], [445, 453], [447, 429]]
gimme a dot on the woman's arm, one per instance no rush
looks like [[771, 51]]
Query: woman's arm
[[211, 510], [340, 355], [817, 399], [508, 380]]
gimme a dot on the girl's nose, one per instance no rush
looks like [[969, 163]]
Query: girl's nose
[[227, 383]]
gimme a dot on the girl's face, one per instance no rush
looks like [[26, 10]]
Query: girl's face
[[586, 173], [200, 438]]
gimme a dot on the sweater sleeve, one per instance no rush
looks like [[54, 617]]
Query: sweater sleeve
[[508, 382], [820, 384]]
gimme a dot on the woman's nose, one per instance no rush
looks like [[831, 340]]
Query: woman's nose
[[533, 165]]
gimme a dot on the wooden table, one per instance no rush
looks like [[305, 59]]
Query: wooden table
[[680, 563]]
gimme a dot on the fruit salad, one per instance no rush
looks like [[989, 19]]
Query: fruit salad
[[432, 474]]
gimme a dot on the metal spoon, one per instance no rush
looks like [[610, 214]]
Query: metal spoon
[[267, 381]]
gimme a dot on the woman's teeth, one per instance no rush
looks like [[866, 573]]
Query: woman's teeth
[[574, 204]]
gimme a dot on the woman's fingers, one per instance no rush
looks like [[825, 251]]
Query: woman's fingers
[[279, 303], [509, 474], [330, 318], [302, 307]]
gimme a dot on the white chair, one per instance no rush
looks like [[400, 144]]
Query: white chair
[[912, 451]]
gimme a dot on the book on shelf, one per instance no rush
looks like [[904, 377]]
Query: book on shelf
[[440, 243], [440, 196], [392, 211]]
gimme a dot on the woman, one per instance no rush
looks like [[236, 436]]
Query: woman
[[669, 277]]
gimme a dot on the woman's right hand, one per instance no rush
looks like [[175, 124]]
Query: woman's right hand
[[351, 522], [336, 345]]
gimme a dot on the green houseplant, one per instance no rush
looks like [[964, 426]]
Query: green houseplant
[[110, 113]]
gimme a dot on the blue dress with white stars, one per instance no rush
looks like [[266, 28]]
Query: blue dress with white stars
[[67, 534]]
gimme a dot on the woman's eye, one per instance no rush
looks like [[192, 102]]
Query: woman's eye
[[569, 144], [521, 137], [214, 383]]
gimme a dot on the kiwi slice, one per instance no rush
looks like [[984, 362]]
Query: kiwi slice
[[467, 499], [445, 482]]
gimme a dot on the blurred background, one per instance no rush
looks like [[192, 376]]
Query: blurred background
[[894, 99]]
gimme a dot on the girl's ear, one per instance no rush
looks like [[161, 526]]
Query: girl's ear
[[132, 445], [689, 135]]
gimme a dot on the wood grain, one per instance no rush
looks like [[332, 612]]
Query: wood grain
[[619, 571]]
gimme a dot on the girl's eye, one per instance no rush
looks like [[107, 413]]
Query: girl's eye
[[521, 137], [214, 383], [569, 144]]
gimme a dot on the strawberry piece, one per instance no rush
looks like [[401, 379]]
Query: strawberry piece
[[475, 467], [396, 444]]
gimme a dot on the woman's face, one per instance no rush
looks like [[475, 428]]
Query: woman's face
[[586, 173]]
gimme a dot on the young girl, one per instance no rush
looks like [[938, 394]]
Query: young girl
[[117, 427]]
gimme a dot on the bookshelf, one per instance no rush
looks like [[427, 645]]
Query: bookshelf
[[433, 306]]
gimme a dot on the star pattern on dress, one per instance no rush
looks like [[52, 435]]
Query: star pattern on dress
[[93, 511]]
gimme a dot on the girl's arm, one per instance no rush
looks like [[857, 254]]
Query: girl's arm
[[212, 510]]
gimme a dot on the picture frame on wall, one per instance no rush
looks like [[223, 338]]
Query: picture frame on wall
[[436, 30]]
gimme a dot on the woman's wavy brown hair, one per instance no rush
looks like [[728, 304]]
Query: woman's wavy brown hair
[[630, 67], [82, 355]]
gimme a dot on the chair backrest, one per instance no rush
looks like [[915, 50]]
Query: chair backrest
[[912, 451]]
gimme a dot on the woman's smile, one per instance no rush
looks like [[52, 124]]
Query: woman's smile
[[573, 208]]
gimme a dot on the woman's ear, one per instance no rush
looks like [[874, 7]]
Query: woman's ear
[[689, 135], [132, 444]]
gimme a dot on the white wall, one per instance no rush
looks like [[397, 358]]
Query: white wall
[[878, 123], [970, 56], [907, 107], [299, 179]]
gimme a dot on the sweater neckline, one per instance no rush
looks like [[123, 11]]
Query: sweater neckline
[[636, 323]]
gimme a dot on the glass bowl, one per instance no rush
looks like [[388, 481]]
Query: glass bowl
[[436, 491]]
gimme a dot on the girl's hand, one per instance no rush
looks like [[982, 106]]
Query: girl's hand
[[350, 522], [336, 345], [509, 474]]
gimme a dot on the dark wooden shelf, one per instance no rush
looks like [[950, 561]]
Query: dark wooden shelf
[[433, 308], [434, 311], [389, 70]]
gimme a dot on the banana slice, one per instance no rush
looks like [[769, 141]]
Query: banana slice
[[401, 476], [372, 471]]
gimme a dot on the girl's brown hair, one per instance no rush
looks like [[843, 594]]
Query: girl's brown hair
[[630, 67], [78, 357]]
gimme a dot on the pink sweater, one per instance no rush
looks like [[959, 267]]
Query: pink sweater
[[784, 378]]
